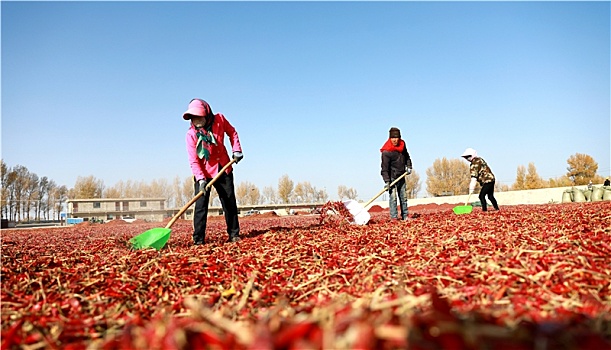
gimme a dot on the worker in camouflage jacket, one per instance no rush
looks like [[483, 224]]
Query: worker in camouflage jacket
[[396, 162], [480, 172]]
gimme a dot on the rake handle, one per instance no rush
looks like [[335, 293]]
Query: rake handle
[[384, 190], [199, 194], [469, 197]]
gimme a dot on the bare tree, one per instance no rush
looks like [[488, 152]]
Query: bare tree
[[520, 183], [42, 193], [562, 181], [19, 188], [448, 176], [112, 192], [31, 189], [247, 193], [341, 191], [321, 196], [49, 200], [582, 169], [128, 189], [345, 192], [241, 191], [533, 180], [310, 191], [11, 194], [412, 185], [87, 187], [140, 188], [254, 195], [115, 191], [285, 188], [4, 188], [269, 195], [304, 192], [60, 196], [178, 198], [188, 190], [159, 188], [500, 187], [301, 191]]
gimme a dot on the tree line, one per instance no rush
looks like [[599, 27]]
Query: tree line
[[452, 176], [26, 196]]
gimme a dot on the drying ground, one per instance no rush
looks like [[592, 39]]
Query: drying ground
[[527, 277]]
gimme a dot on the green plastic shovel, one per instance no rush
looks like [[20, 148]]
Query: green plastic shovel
[[158, 237], [463, 209]]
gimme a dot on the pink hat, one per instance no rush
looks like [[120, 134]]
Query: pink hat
[[197, 107]]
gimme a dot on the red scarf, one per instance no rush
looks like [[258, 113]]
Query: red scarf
[[388, 146]]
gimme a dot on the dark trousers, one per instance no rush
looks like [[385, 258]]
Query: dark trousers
[[488, 190], [225, 188]]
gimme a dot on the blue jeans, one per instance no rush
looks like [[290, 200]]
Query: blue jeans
[[392, 200]]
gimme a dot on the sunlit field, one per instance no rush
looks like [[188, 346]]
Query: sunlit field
[[514, 279]]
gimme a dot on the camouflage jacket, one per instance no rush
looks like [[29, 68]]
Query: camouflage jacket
[[481, 171]]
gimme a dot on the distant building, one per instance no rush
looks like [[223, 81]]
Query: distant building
[[105, 209], [154, 210]]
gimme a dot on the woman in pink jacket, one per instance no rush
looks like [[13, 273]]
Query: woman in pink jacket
[[207, 155]]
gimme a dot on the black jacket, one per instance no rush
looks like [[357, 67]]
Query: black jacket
[[394, 164]]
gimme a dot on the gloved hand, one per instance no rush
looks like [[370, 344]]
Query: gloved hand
[[408, 171], [202, 185], [237, 156], [387, 186], [472, 185]]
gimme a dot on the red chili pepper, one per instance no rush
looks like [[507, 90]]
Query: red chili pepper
[[10, 338]]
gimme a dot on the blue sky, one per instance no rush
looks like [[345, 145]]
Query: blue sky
[[99, 88]]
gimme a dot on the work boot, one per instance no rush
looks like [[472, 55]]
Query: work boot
[[198, 240], [234, 239]]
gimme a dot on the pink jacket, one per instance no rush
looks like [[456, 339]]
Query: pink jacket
[[202, 168]]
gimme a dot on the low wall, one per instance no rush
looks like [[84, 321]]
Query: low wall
[[538, 196]]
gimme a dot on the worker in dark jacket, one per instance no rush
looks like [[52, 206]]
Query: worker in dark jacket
[[396, 162]]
